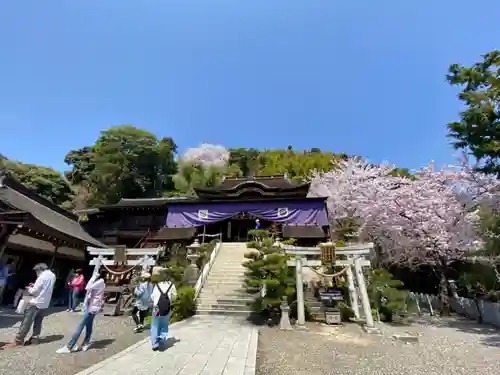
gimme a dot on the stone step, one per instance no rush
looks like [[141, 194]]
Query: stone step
[[223, 312], [234, 306], [228, 271], [222, 295], [234, 282], [225, 291], [214, 300], [223, 279], [226, 276]]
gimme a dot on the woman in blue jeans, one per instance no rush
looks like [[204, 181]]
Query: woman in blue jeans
[[92, 305], [159, 322]]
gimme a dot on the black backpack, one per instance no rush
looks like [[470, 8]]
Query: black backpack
[[164, 304]]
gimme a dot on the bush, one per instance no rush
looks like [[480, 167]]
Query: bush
[[346, 313], [184, 305]]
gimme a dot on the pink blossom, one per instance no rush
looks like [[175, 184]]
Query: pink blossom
[[207, 155], [412, 221]]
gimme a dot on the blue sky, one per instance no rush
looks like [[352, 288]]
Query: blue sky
[[359, 76]]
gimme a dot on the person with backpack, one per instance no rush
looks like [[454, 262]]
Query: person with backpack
[[163, 294]]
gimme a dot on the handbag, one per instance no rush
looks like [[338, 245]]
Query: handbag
[[23, 304]]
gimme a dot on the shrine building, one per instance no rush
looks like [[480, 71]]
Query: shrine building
[[231, 208], [34, 230]]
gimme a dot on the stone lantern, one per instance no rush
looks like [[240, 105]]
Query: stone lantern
[[192, 271]]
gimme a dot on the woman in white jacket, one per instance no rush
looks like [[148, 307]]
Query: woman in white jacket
[[92, 305]]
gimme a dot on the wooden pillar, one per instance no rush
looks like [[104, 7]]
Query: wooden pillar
[[54, 256], [5, 233]]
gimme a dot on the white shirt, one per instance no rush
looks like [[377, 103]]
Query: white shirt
[[164, 285], [42, 290]]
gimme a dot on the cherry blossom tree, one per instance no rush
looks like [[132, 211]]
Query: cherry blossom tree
[[412, 221], [207, 155], [202, 167]]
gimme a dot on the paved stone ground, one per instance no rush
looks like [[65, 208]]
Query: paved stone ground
[[197, 346], [448, 346], [111, 335]]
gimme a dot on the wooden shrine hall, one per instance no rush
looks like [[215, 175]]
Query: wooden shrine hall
[[33, 230], [231, 208]]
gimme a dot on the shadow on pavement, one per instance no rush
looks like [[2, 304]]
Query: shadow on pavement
[[101, 344], [491, 334], [46, 339], [171, 341], [9, 317]]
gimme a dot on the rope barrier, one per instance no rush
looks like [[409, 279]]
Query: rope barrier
[[329, 275], [118, 273]]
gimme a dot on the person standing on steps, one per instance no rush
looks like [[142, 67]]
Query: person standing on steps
[[142, 301], [77, 286], [92, 305], [163, 293], [41, 291]]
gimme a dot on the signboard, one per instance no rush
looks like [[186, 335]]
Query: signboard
[[282, 211], [203, 214], [120, 254], [328, 255], [331, 294]]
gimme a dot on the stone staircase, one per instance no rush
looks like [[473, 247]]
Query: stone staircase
[[223, 292]]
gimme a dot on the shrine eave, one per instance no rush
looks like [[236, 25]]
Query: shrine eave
[[37, 217]]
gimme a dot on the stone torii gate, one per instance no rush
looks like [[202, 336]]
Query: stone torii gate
[[120, 255], [145, 261], [355, 261]]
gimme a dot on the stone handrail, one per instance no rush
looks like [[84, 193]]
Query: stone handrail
[[206, 268]]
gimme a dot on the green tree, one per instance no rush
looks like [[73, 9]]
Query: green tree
[[386, 293], [44, 181], [125, 162], [191, 176], [248, 160], [478, 130], [267, 267]]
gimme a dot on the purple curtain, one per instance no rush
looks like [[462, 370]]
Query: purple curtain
[[294, 212]]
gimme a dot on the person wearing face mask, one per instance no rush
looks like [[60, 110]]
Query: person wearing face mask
[[41, 291]]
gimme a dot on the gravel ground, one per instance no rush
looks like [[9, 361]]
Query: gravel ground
[[111, 335], [448, 346]]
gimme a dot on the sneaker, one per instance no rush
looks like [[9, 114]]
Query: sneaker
[[63, 350], [68, 310], [85, 347], [139, 328]]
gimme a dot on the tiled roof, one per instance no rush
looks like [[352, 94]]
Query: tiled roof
[[22, 199]]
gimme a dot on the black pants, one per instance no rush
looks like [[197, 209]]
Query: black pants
[[139, 315]]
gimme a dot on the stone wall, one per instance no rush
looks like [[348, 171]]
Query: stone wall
[[490, 311]]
